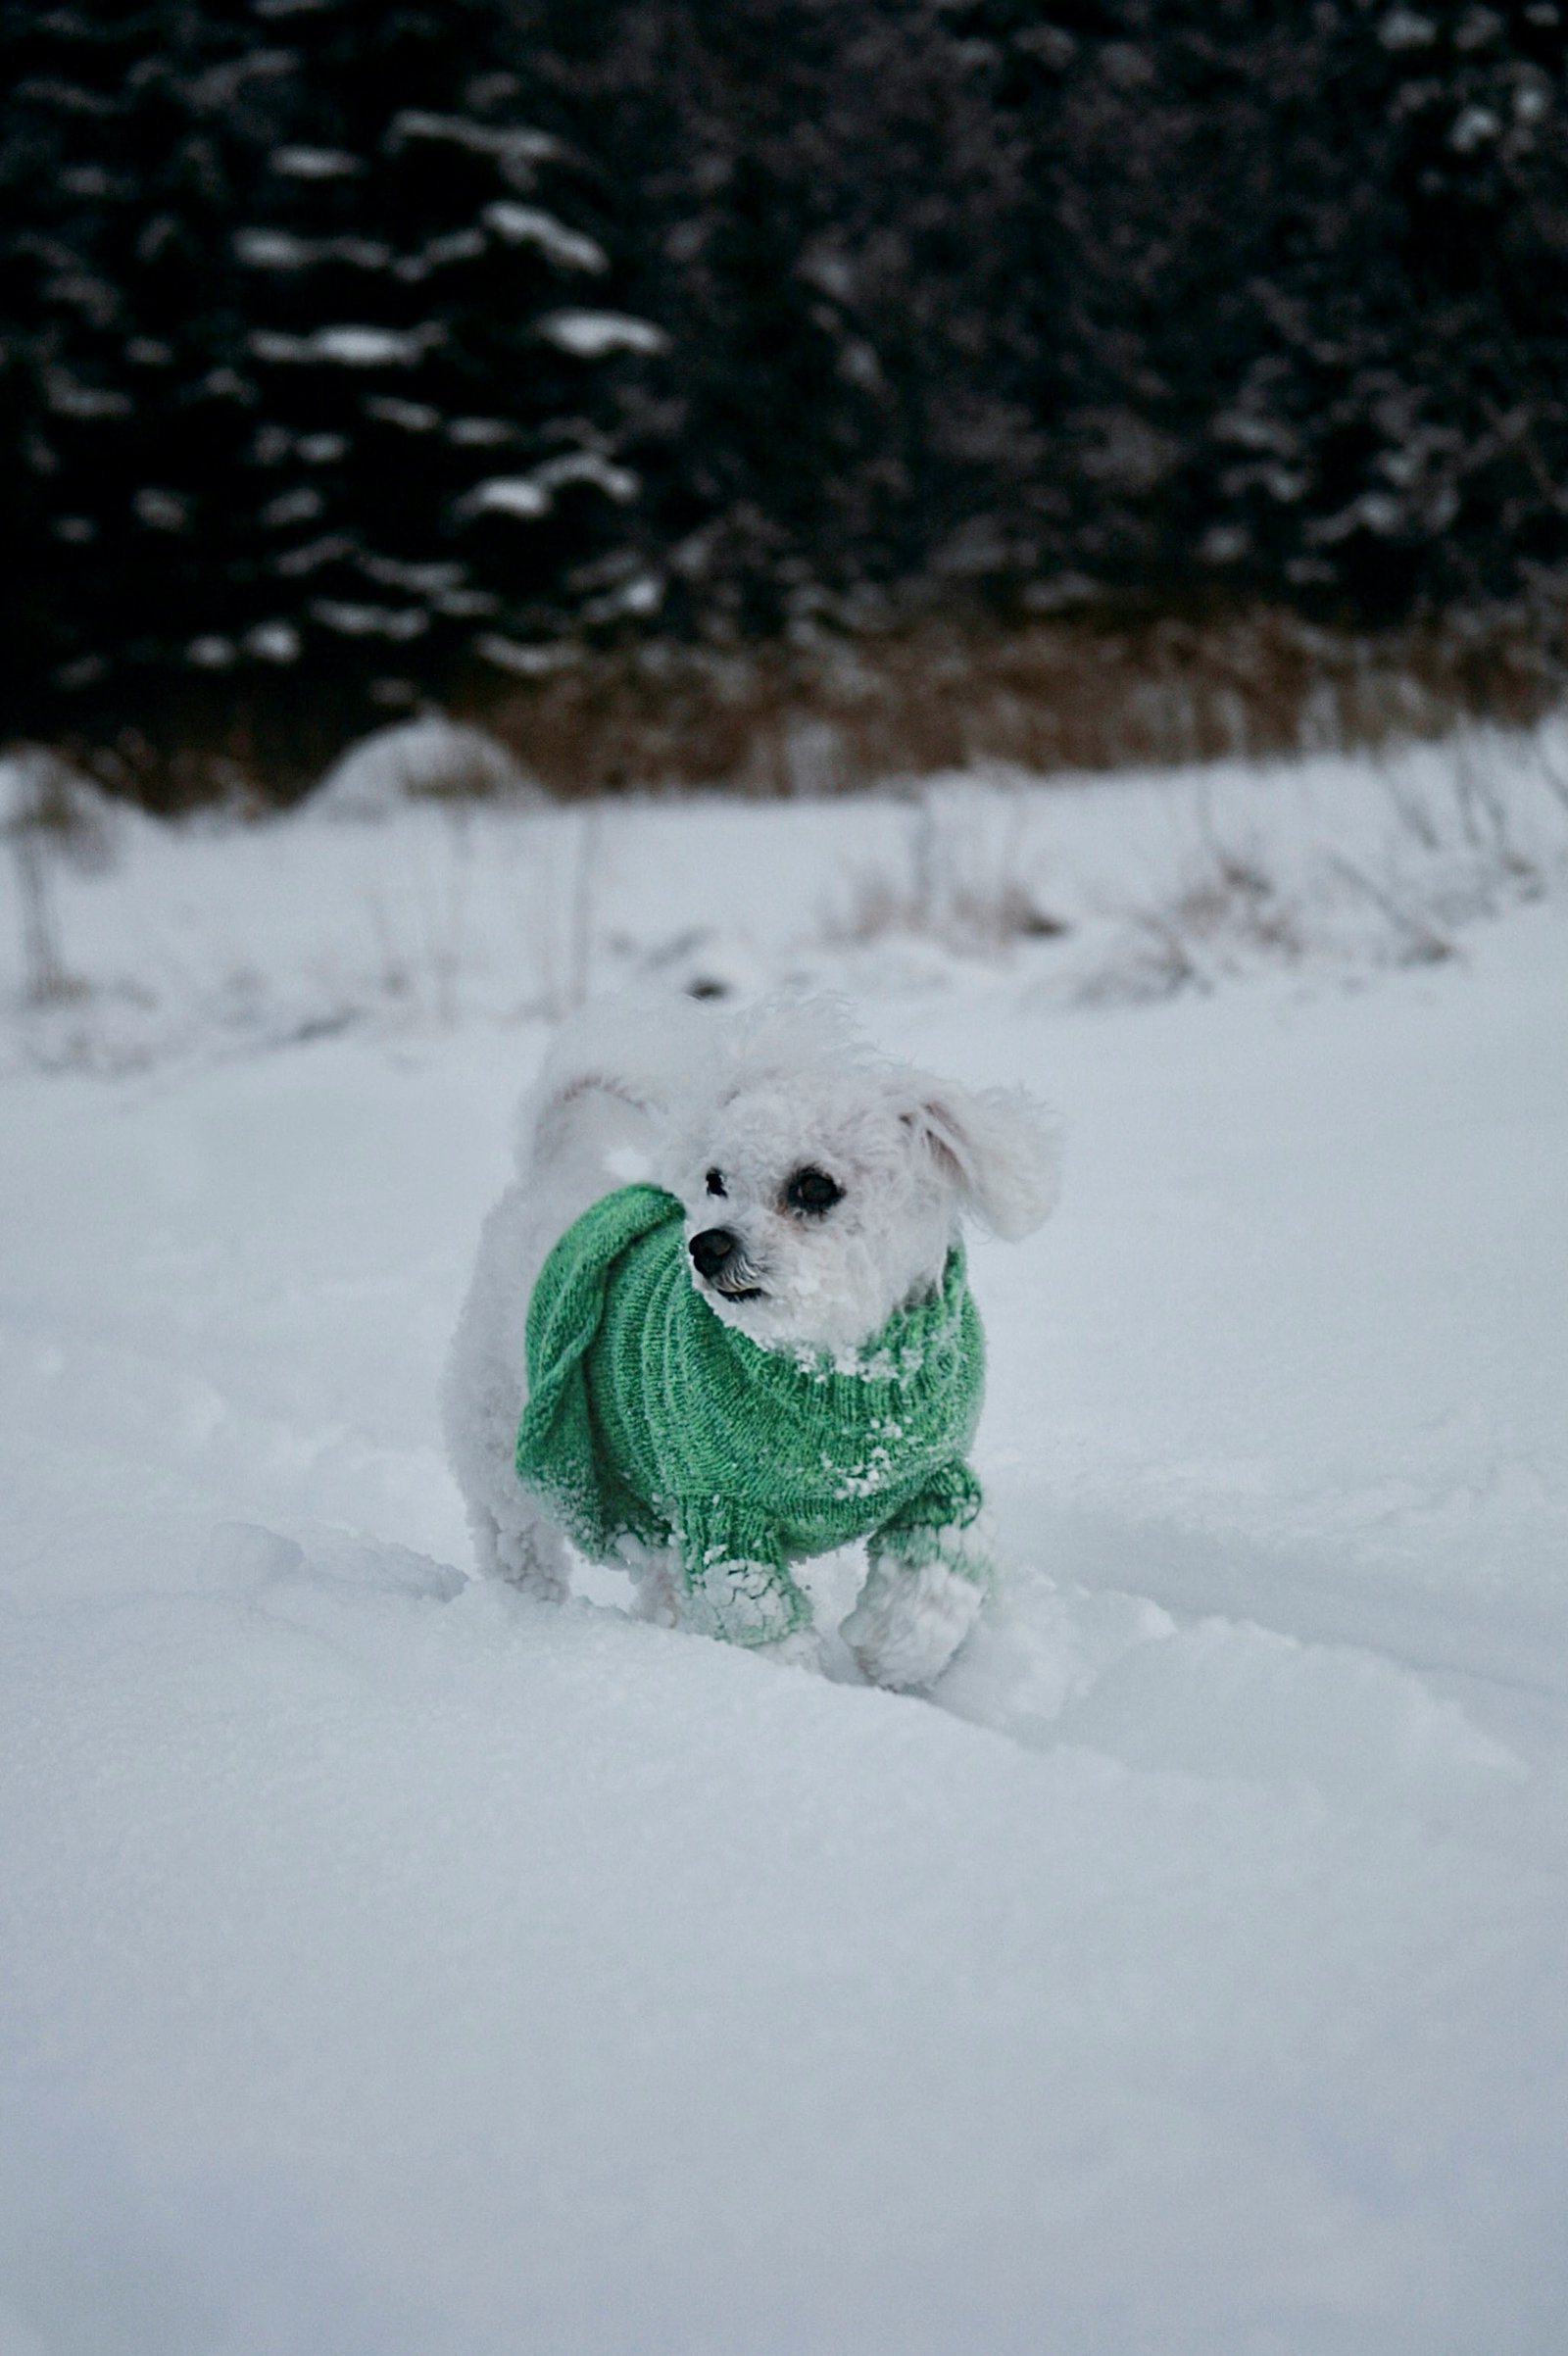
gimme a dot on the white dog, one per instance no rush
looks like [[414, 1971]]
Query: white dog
[[812, 1242]]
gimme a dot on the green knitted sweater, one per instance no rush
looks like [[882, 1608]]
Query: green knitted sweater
[[650, 1419]]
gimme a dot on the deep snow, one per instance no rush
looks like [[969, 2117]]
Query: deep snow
[[393, 1965]]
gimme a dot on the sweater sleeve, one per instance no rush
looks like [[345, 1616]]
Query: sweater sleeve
[[935, 1526], [733, 1571]]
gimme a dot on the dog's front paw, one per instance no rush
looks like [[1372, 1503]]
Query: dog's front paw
[[656, 1589], [909, 1623], [802, 1649], [534, 1559]]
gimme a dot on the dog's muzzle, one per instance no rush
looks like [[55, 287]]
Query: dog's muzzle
[[718, 1259]]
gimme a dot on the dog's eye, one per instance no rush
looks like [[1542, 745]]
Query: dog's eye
[[813, 1191], [716, 1182]]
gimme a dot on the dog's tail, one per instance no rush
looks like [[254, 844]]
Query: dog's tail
[[609, 1086]]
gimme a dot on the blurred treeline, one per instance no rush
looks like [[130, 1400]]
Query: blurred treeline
[[355, 352]]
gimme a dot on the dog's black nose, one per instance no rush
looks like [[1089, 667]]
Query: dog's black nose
[[712, 1249]]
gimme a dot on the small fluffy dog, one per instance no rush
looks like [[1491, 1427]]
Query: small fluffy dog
[[751, 1337]]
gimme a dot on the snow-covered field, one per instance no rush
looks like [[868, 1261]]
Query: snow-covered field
[[390, 1966], [363, 913]]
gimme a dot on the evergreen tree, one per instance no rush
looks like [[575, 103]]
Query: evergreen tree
[[118, 168], [822, 221], [1319, 257], [437, 470], [1423, 370], [310, 377], [345, 343]]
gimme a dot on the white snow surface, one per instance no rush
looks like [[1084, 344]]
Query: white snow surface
[[398, 764], [390, 1964], [507, 495], [355, 347], [592, 334], [526, 225]]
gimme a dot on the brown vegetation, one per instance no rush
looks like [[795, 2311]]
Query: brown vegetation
[[1048, 696], [830, 715]]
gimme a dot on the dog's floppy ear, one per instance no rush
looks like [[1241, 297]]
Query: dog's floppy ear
[[998, 1148]]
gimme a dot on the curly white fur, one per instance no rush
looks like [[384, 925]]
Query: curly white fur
[[725, 1109]]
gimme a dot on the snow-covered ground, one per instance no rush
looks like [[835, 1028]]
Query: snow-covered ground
[[390, 1966], [364, 911]]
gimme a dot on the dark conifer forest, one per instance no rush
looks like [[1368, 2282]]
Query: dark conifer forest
[[348, 340]]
